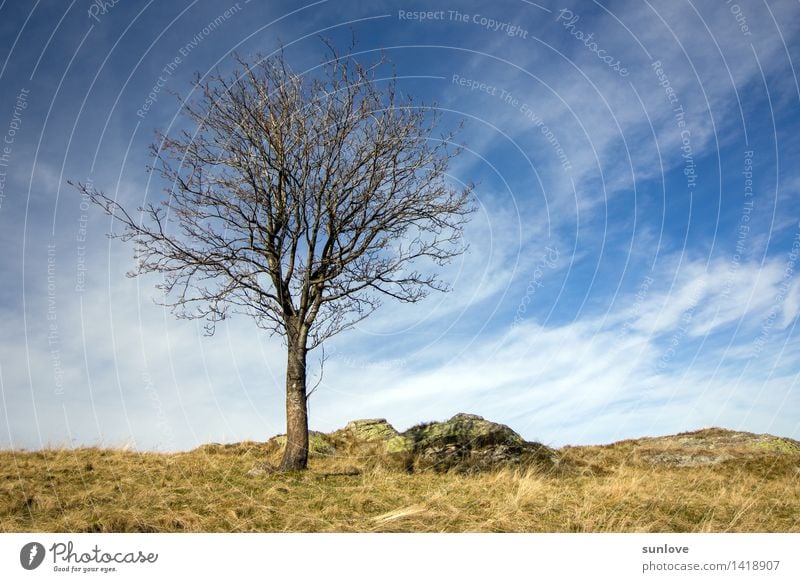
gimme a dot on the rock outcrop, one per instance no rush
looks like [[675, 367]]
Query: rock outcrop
[[712, 446], [466, 443], [705, 447], [470, 443], [376, 430], [319, 444]]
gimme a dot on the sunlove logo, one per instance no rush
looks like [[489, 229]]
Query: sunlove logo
[[31, 555]]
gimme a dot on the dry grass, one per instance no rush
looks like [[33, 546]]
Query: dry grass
[[604, 489]]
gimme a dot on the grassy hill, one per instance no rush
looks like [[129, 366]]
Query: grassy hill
[[711, 480]]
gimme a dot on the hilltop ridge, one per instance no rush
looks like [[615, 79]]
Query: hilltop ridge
[[468, 443], [463, 474]]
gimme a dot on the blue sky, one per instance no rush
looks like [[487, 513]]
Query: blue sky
[[632, 265]]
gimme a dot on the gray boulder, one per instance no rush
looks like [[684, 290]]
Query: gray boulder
[[469, 443]]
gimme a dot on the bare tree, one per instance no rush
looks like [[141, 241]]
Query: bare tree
[[299, 201]]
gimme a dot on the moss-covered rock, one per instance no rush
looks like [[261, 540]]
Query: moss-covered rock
[[370, 430], [780, 445], [372, 442], [319, 444], [470, 443], [463, 429], [399, 444]]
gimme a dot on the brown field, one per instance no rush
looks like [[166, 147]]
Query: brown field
[[596, 489]]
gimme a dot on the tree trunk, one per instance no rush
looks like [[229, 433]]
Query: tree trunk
[[295, 457]]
